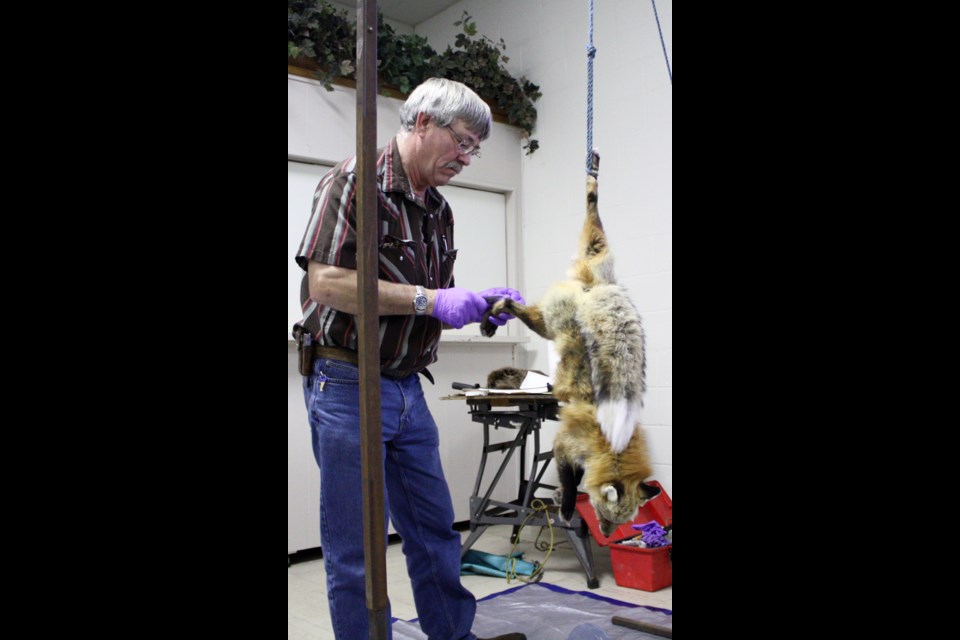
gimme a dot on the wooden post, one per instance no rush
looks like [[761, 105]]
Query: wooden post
[[369, 321]]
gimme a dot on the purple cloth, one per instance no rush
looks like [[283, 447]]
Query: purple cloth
[[653, 534]]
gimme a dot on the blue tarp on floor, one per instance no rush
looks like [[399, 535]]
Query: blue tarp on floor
[[547, 612]]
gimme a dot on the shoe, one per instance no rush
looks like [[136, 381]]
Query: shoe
[[507, 636]]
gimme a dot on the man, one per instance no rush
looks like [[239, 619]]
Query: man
[[442, 125]]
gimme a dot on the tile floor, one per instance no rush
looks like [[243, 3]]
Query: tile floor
[[308, 619]]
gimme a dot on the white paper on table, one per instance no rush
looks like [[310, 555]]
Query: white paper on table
[[493, 392], [533, 382]]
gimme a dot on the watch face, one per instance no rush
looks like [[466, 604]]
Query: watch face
[[420, 303]]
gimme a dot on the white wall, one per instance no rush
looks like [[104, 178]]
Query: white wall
[[632, 127]]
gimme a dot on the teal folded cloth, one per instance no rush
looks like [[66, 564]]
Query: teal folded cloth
[[480, 563]]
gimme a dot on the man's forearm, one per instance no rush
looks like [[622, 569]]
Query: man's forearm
[[337, 287]]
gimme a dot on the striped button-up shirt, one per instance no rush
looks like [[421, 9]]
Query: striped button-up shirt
[[416, 247]]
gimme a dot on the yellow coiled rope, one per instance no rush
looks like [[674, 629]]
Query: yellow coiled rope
[[538, 506]]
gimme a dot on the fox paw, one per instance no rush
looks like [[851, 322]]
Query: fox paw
[[565, 516], [497, 305], [558, 496], [594, 163]]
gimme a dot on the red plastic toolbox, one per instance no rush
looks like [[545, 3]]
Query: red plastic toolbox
[[649, 569]]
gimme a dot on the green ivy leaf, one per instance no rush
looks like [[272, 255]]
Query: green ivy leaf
[[318, 30]]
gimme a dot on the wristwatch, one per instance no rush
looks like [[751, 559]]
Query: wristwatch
[[420, 301]]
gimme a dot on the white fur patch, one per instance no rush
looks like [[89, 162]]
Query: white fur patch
[[618, 419], [610, 493]]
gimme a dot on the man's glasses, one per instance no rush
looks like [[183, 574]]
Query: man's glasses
[[462, 145]]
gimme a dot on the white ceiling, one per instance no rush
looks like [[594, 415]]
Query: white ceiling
[[411, 12]]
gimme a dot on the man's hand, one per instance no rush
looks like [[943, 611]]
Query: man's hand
[[457, 306], [502, 292]]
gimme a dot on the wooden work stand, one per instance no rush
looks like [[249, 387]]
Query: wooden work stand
[[526, 413]]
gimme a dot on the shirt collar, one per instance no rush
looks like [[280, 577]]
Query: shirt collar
[[394, 178], [390, 170]]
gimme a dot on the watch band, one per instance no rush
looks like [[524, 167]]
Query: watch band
[[420, 301]]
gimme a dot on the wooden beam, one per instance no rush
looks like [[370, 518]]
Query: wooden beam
[[374, 545], [640, 625]]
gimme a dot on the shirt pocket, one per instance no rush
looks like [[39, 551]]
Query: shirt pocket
[[448, 261], [398, 258]]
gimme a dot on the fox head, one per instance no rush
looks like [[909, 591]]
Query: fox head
[[612, 480], [617, 503]]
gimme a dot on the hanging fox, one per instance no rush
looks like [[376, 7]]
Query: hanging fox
[[597, 332]]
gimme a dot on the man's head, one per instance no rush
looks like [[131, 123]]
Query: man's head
[[446, 101], [445, 121]]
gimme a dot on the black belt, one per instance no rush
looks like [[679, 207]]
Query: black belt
[[348, 355]]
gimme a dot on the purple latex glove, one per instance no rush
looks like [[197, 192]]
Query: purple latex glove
[[503, 292], [457, 306]]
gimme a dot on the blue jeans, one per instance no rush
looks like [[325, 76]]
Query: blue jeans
[[416, 497]]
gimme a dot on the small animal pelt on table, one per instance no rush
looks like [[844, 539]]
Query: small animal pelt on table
[[481, 563]]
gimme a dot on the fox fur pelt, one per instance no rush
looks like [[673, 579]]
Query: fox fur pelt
[[598, 335], [508, 377]]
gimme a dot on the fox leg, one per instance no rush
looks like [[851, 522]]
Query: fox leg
[[593, 240], [594, 264], [593, 214], [570, 469], [530, 315], [566, 494]]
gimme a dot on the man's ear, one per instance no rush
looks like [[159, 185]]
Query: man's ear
[[422, 120]]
